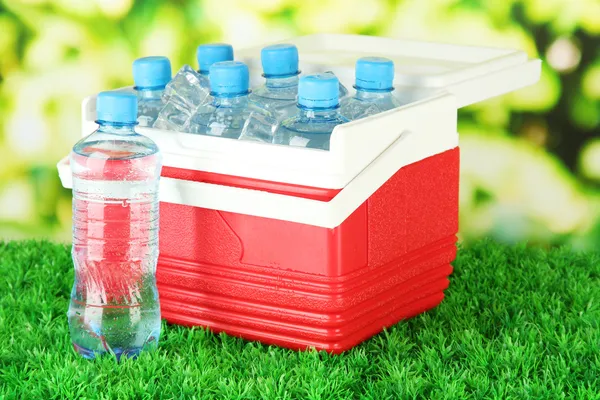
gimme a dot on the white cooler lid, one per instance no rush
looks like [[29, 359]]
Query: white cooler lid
[[471, 73]]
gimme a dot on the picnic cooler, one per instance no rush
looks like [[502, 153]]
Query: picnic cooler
[[310, 248]]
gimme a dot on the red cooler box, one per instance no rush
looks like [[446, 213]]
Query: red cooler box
[[309, 248]]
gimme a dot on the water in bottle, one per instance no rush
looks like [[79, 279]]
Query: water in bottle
[[280, 91], [318, 114], [374, 86], [114, 306], [150, 75], [232, 114], [189, 90]]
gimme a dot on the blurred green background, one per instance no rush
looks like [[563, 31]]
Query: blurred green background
[[530, 159]]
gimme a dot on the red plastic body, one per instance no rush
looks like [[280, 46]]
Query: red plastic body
[[300, 286]]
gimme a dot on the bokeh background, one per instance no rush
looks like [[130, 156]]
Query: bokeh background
[[530, 160]]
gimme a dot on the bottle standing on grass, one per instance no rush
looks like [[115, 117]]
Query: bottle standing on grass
[[150, 76], [374, 85], [280, 92], [318, 115], [114, 305], [232, 114]]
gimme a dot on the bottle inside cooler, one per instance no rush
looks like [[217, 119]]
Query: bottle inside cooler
[[374, 89], [232, 114], [318, 115], [279, 93], [114, 307], [209, 54], [150, 76]]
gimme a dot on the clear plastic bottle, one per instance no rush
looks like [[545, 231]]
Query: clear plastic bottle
[[114, 306], [280, 92], [318, 115], [232, 114], [150, 76], [374, 86], [207, 55]]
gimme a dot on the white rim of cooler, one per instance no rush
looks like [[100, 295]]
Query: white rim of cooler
[[351, 150], [406, 136]]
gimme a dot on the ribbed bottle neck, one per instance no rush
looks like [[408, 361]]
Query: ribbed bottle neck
[[319, 113], [281, 83], [231, 101], [116, 127], [150, 93], [365, 94]]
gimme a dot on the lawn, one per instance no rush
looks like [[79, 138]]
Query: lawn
[[516, 323]]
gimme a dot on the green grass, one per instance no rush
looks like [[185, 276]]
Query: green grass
[[516, 323]]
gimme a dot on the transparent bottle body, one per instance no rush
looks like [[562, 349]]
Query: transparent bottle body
[[114, 307], [367, 103], [149, 105], [279, 96], [311, 128], [235, 117]]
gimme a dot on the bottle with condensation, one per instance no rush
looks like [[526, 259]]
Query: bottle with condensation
[[232, 114], [150, 76], [114, 306], [318, 113], [374, 89], [279, 93]]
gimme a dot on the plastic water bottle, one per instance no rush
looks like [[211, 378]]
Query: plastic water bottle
[[150, 76], [232, 114], [114, 305], [189, 90], [280, 92], [374, 85], [318, 114], [207, 55]]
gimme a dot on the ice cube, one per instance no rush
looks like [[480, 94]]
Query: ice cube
[[188, 88], [259, 127], [173, 117]]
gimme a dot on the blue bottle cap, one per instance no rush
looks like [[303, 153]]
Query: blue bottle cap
[[208, 54], [117, 107], [374, 73], [151, 72], [279, 60], [228, 78], [318, 91]]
